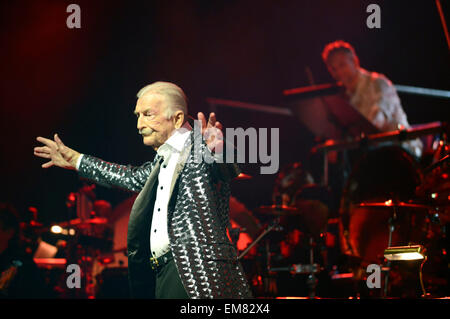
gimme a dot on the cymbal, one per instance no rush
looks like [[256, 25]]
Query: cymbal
[[390, 203], [83, 223], [375, 138], [278, 210], [50, 262], [310, 216]]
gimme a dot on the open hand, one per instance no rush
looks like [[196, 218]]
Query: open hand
[[212, 132], [59, 154]]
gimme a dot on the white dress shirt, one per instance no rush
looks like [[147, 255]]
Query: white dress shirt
[[170, 150]]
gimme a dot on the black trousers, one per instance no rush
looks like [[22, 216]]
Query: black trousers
[[161, 283], [168, 282]]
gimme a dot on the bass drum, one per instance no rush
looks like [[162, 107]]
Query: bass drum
[[381, 174]]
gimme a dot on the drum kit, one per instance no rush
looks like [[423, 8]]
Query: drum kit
[[387, 201], [84, 240]]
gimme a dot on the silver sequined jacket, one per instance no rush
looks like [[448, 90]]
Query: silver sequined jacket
[[197, 220]]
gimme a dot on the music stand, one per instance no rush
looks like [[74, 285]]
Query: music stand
[[324, 109]]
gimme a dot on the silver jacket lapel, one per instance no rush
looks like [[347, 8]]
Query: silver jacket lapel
[[142, 199], [179, 167]]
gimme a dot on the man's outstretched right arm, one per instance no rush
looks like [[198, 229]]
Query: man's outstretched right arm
[[95, 169], [128, 177]]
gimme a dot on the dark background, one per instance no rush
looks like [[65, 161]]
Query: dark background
[[81, 83]]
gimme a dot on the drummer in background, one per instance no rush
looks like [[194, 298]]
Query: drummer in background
[[371, 93]]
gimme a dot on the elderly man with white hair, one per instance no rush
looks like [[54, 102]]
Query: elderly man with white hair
[[177, 233]]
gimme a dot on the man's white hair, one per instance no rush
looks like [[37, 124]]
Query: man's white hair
[[175, 97]]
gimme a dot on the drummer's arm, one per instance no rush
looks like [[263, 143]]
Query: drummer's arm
[[387, 112], [107, 174]]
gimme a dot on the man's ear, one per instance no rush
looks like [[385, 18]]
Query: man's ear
[[178, 119]]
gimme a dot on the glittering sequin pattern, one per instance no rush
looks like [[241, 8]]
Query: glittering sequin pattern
[[110, 174]]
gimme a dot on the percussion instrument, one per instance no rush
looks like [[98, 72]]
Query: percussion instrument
[[377, 197]]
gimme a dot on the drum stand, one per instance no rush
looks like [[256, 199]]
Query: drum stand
[[312, 279], [275, 226], [391, 225], [310, 269]]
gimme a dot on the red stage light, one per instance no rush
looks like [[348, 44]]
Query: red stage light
[[72, 197], [106, 260]]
